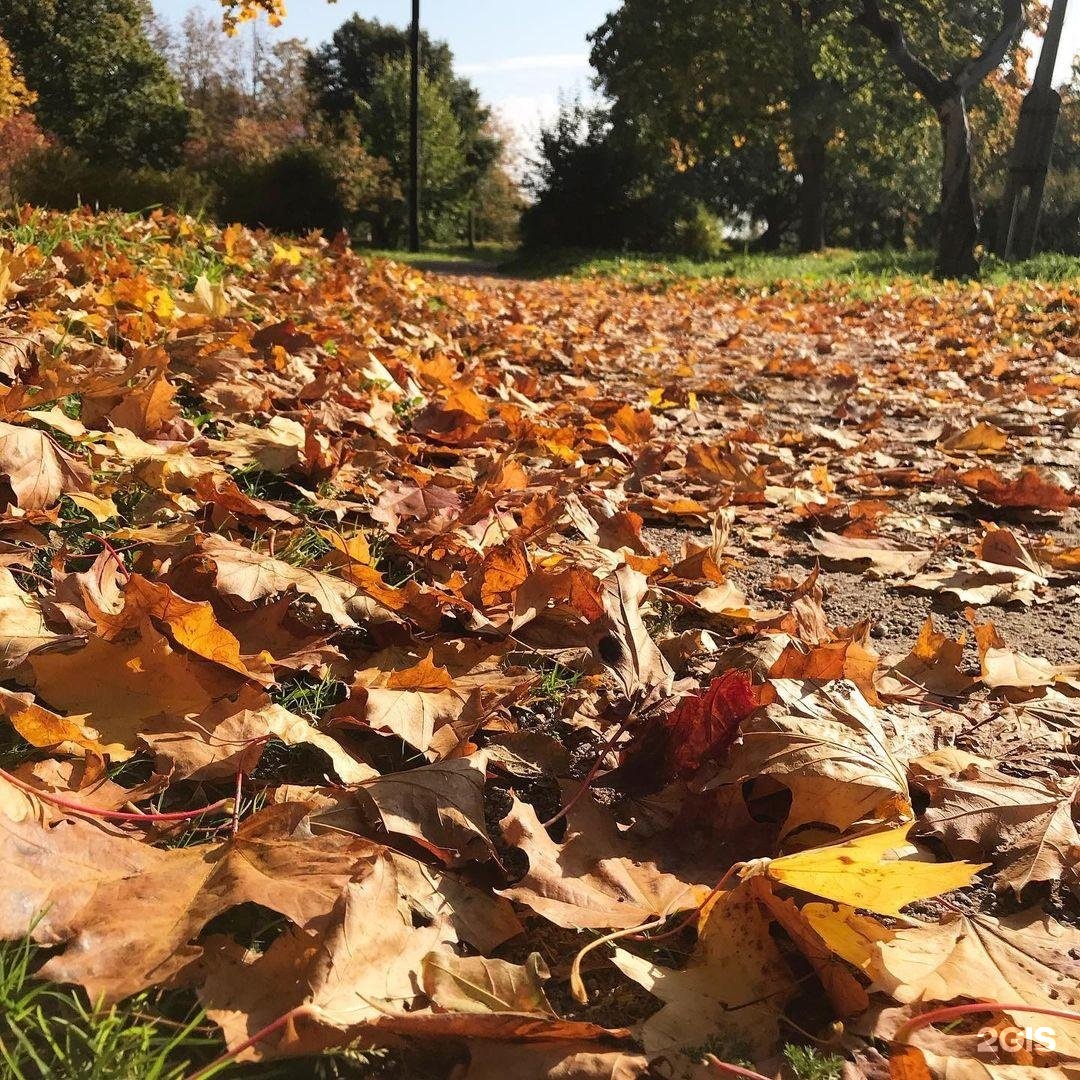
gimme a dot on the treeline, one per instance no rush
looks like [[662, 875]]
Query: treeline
[[801, 123], [102, 103]]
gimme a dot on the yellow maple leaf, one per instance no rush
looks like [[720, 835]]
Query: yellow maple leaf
[[867, 872]]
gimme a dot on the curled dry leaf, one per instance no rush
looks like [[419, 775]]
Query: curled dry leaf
[[1026, 826], [829, 749], [735, 984], [886, 557], [586, 882], [148, 905], [37, 469], [1028, 958]]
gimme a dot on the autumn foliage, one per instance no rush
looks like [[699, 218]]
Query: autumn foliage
[[583, 678]]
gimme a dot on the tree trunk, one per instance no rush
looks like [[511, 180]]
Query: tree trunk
[[811, 159], [959, 220]]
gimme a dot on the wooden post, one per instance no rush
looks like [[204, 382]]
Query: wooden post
[[414, 129], [1021, 207]]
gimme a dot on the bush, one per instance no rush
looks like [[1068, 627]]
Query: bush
[[698, 235], [59, 178], [296, 190], [20, 140], [309, 185]]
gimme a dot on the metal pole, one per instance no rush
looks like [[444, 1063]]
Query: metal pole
[[414, 129]]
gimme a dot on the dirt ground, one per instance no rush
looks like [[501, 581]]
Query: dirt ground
[[857, 387]]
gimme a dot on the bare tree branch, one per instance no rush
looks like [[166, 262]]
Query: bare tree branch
[[973, 72], [891, 34]]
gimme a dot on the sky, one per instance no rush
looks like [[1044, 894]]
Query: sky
[[521, 54]]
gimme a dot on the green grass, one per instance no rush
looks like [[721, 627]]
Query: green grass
[[862, 271], [485, 256], [858, 269], [50, 1030]]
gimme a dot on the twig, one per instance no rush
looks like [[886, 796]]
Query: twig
[[737, 1070], [113, 554], [608, 746], [230, 1055]]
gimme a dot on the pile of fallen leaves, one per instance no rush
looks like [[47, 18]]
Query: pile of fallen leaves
[[542, 674]]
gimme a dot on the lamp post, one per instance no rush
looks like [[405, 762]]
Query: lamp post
[[1030, 162], [414, 128]]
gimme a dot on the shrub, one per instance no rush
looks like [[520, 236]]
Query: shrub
[[698, 234], [20, 140], [309, 185], [59, 178]]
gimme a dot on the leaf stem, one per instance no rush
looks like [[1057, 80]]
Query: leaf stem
[[230, 1055], [113, 553], [952, 1011], [693, 913], [737, 1070], [110, 815]]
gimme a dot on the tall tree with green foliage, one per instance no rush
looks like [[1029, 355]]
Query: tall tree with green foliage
[[101, 87], [969, 43], [444, 176], [736, 80], [347, 78]]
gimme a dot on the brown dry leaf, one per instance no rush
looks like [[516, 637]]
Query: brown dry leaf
[[1030, 490], [828, 748], [554, 1061], [440, 806], [192, 625], [1027, 958], [41, 727], [918, 1064], [476, 984], [38, 470], [828, 662], [1026, 826], [252, 576], [886, 557], [22, 624], [622, 642], [585, 883], [363, 977], [232, 735], [846, 994], [118, 686], [980, 439], [933, 666], [1004, 668], [735, 985], [415, 704], [126, 914]]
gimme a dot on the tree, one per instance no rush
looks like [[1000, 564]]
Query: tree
[[726, 84], [240, 93], [948, 96], [101, 88], [344, 73], [15, 95], [384, 127]]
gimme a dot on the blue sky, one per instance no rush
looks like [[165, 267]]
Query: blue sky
[[521, 54]]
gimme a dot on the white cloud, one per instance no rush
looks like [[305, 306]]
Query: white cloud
[[548, 62]]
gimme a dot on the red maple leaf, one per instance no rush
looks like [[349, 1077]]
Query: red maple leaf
[[703, 726]]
